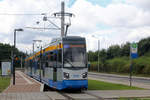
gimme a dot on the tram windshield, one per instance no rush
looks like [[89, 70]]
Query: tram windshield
[[74, 56]]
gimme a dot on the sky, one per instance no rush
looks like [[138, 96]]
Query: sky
[[109, 21]]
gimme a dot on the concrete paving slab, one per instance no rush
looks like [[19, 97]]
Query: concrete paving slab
[[55, 96], [108, 94], [24, 96], [81, 96], [24, 84]]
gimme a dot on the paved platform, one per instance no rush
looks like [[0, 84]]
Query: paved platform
[[32, 96], [24, 84], [114, 94]]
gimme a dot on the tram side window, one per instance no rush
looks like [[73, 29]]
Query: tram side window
[[38, 62], [55, 56], [55, 59], [46, 60], [50, 59], [59, 58]]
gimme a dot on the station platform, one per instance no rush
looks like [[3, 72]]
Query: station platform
[[32, 96], [24, 84]]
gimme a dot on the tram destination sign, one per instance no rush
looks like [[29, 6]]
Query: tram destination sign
[[134, 50]]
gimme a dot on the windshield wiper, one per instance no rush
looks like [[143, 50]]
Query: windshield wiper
[[68, 60]]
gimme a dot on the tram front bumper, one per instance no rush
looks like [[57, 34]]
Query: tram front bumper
[[75, 84]]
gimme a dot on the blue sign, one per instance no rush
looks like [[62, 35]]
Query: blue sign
[[134, 50], [134, 55]]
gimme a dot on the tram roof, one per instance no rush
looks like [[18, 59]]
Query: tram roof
[[67, 38]]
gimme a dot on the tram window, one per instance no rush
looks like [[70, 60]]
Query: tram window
[[50, 59], [50, 56], [59, 63], [55, 56], [46, 57], [46, 64], [60, 55], [38, 62], [55, 59]]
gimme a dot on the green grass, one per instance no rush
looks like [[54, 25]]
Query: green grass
[[0, 71], [134, 98], [100, 85], [4, 83]]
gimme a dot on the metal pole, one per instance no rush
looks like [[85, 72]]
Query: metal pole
[[33, 48], [13, 57], [14, 38], [11, 62], [130, 68], [98, 53], [21, 62], [130, 71], [62, 18], [40, 62], [131, 74]]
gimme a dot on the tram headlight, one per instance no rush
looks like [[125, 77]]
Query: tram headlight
[[84, 75], [66, 75]]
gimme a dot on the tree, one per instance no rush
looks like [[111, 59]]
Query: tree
[[92, 56], [5, 52], [113, 51], [103, 55], [144, 46], [125, 49]]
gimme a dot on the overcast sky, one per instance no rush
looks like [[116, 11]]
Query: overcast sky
[[110, 21]]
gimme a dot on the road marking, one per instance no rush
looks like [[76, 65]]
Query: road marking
[[28, 81]]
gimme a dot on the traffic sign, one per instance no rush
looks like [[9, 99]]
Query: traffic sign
[[134, 50]]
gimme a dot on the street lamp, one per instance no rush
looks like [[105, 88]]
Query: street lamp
[[20, 29], [98, 51], [15, 30]]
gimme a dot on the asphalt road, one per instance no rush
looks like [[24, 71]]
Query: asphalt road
[[142, 82]]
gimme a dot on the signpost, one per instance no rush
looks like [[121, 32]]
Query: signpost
[[133, 55]]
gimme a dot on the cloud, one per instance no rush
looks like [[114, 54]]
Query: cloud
[[139, 33], [116, 23], [9, 22], [121, 18], [143, 4]]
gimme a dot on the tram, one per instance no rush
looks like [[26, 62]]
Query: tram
[[61, 65]]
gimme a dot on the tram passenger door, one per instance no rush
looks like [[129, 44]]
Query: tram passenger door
[[55, 67]]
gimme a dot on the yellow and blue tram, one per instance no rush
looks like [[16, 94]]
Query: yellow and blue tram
[[61, 65]]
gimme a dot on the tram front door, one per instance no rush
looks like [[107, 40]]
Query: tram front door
[[54, 74], [55, 67]]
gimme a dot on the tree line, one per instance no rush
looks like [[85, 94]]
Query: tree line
[[6, 50], [117, 58], [119, 51]]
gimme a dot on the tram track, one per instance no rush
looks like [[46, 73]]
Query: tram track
[[73, 94]]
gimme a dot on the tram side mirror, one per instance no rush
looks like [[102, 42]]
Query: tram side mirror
[[89, 64]]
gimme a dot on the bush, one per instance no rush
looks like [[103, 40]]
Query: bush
[[141, 65], [122, 65], [118, 64], [94, 66]]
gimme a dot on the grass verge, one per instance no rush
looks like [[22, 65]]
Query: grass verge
[[100, 85], [4, 83], [134, 99]]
